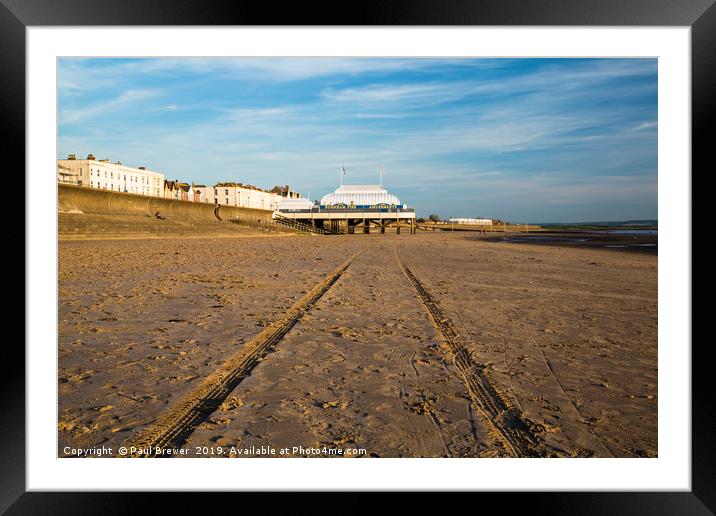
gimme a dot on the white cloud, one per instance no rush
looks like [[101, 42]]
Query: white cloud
[[124, 99], [383, 93], [645, 125], [77, 75]]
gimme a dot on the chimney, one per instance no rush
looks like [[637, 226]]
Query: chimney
[[71, 156], [142, 168], [90, 156]]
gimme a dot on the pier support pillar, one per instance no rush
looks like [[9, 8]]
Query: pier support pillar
[[398, 226], [382, 226]]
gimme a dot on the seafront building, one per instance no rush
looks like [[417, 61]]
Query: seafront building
[[474, 222], [181, 191], [101, 173], [245, 196], [349, 208], [293, 204], [360, 196]]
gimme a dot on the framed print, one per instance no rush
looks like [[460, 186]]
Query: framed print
[[427, 238]]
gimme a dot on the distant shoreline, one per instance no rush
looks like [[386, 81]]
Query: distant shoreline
[[604, 225], [599, 239]]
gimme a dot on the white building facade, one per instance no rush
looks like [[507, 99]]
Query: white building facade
[[67, 175], [287, 204], [105, 175], [474, 222], [361, 196], [232, 194]]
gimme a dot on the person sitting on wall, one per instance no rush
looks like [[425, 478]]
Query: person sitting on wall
[[159, 216]]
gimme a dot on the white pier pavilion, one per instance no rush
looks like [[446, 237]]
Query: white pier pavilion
[[349, 208]]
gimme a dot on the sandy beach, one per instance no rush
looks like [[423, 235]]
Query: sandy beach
[[427, 345]]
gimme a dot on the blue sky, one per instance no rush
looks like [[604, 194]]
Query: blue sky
[[542, 140]]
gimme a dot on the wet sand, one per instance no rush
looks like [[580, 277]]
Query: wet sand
[[564, 337]]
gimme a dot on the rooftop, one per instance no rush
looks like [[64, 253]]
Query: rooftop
[[360, 195], [361, 189]]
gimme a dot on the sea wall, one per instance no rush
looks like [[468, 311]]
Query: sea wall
[[78, 199]]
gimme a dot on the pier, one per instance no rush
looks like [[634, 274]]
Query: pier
[[354, 220], [351, 209]]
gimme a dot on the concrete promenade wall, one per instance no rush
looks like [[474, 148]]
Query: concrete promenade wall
[[75, 199]]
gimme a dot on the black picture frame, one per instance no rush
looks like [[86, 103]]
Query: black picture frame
[[700, 15]]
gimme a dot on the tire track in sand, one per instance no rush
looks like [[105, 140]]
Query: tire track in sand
[[509, 425], [179, 422]]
